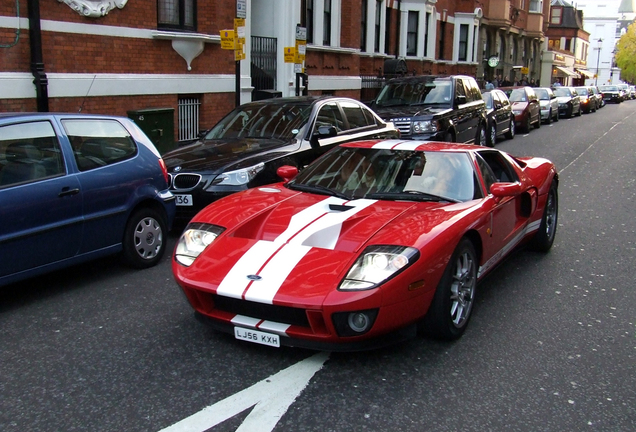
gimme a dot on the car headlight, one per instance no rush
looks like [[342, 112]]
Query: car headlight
[[194, 240], [376, 265], [517, 112], [239, 177], [425, 126]]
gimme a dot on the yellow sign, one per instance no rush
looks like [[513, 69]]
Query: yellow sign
[[227, 39], [301, 49], [239, 29], [290, 54], [239, 52], [524, 71]]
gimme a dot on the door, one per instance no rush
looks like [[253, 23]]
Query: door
[[41, 209]]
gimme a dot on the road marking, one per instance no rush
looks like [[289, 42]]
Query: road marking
[[270, 398]]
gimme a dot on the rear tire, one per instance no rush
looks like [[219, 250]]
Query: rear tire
[[492, 135], [549, 117], [511, 129], [452, 305], [145, 238], [544, 238]]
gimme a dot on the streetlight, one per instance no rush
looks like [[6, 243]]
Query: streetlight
[[598, 58]]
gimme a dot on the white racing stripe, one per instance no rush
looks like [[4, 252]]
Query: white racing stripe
[[273, 261]]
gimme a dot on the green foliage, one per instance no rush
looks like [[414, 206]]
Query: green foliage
[[626, 54]]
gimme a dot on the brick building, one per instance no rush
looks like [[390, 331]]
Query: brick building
[[118, 56]]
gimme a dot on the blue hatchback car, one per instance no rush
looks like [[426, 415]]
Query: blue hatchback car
[[74, 187]]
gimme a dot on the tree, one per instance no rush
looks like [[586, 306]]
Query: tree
[[626, 54]]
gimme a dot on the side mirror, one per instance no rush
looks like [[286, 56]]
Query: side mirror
[[287, 172], [505, 189], [327, 131], [460, 99]]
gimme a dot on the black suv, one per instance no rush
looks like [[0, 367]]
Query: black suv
[[435, 108]]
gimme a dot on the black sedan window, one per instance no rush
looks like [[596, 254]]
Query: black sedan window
[[561, 91], [390, 174], [276, 120]]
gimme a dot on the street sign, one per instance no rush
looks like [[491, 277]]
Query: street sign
[[525, 70], [301, 33], [301, 50], [290, 54], [241, 8], [227, 39]]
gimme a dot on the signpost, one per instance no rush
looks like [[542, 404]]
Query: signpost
[[300, 50]]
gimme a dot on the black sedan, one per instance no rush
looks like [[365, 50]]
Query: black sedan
[[248, 145], [611, 93], [501, 120]]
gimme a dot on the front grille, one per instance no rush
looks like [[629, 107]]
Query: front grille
[[281, 314], [185, 181], [403, 125]]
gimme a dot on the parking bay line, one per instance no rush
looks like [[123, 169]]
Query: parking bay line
[[270, 398]]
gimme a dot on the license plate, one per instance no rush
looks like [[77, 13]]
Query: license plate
[[184, 200], [256, 336]]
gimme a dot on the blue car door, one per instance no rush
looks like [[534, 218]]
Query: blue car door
[[41, 212]]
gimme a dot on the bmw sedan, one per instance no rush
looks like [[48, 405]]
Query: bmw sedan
[[246, 147]]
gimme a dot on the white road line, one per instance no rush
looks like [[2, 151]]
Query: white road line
[[270, 398]]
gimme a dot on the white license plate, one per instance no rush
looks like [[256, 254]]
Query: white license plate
[[183, 200], [256, 336]]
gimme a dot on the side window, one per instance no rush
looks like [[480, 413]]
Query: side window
[[98, 143], [330, 115], [499, 167], [459, 88], [354, 115], [472, 90], [29, 152], [486, 173]]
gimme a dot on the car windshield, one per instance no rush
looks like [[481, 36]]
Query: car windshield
[[412, 92], [582, 91], [562, 91], [353, 173], [608, 88], [517, 95], [280, 121], [542, 94]]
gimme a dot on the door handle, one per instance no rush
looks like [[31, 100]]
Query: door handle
[[68, 192]]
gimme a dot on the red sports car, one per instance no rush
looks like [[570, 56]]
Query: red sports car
[[366, 245]]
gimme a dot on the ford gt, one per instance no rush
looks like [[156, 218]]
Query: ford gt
[[366, 246]]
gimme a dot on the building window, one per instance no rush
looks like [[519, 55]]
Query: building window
[[363, 26], [326, 26], [536, 6], [427, 31], [463, 42], [442, 37], [378, 25], [555, 15], [176, 14], [411, 35], [189, 118]]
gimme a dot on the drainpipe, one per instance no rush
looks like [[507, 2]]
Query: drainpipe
[[37, 64]]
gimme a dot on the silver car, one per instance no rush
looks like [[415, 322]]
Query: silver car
[[549, 104]]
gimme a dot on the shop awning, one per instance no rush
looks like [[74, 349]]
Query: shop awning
[[568, 72], [585, 73]]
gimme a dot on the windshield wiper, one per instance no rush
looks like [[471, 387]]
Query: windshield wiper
[[410, 195], [318, 188]]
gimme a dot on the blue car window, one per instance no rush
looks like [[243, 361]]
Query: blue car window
[[98, 142], [29, 152]]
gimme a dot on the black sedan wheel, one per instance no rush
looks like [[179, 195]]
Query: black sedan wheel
[[144, 238], [492, 135], [544, 238], [511, 129], [452, 305]]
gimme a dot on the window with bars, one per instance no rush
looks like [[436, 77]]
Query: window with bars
[[176, 14], [189, 107]]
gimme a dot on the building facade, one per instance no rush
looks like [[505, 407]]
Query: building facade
[[121, 57]]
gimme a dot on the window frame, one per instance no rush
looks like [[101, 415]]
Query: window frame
[[182, 10]]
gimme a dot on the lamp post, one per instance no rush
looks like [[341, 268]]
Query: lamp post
[[598, 58]]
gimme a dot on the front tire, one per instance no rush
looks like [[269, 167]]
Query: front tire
[[544, 238], [145, 238], [452, 304], [549, 120]]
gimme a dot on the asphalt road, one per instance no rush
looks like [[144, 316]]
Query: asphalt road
[[551, 345]]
